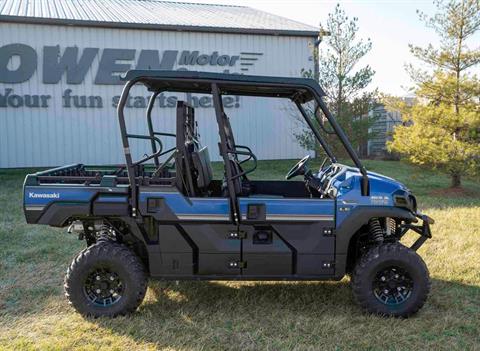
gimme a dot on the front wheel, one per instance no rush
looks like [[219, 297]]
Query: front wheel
[[391, 280], [105, 279]]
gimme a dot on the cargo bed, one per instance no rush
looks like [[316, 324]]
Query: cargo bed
[[75, 191]]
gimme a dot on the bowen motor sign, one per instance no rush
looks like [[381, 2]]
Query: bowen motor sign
[[75, 62]]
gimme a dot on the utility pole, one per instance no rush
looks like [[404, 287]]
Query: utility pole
[[316, 53], [316, 64]]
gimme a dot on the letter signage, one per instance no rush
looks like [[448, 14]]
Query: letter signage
[[20, 62]]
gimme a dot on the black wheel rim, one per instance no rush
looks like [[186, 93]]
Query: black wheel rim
[[103, 287], [392, 286]]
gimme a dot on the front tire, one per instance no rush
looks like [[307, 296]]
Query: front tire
[[391, 280], [105, 279]]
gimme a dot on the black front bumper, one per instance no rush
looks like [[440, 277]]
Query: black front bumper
[[423, 229]]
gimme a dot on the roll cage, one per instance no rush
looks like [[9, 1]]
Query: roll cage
[[298, 90]]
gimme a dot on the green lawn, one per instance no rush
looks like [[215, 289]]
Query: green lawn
[[245, 315]]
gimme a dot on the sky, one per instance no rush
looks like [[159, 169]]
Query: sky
[[390, 24]]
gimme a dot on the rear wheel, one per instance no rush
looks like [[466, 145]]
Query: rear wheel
[[391, 280], [105, 279]]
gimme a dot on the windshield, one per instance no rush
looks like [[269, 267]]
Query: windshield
[[328, 125], [315, 129]]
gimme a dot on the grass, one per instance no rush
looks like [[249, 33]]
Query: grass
[[244, 315]]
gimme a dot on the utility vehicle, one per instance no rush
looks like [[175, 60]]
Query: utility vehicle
[[164, 216]]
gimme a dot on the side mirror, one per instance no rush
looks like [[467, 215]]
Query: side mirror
[[323, 121]]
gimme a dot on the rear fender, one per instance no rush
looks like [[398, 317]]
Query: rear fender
[[55, 204]]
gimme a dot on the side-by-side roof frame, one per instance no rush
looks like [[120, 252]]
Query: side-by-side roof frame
[[299, 89]]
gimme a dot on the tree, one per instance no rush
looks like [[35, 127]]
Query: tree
[[342, 82], [443, 128]]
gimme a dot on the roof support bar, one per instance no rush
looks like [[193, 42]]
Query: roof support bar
[[126, 146], [218, 104], [151, 103], [322, 142]]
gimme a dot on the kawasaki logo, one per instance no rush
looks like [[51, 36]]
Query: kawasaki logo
[[33, 195]]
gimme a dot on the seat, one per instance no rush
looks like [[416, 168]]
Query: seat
[[194, 169], [203, 168], [241, 184]]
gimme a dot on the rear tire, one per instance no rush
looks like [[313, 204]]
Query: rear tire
[[105, 279], [391, 280]]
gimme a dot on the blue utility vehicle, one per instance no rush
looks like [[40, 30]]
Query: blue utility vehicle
[[165, 216]]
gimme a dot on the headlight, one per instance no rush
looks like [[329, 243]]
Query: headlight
[[405, 200]]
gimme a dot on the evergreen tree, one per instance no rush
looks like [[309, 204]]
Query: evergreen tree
[[343, 82], [443, 128]]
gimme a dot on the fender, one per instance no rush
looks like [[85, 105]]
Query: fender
[[359, 217], [56, 214]]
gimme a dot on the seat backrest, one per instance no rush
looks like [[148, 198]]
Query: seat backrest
[[239, 183], [203, 167], [193, 159], [229, 133], [185, 125]]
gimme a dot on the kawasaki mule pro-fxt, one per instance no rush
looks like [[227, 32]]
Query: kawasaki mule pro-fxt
[[172, 220]]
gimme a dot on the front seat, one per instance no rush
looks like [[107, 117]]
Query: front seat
[[203, 168]]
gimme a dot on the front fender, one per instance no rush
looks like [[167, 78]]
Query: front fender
[[358, 218]]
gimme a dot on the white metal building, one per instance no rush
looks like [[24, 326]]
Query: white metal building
[[60, 62]]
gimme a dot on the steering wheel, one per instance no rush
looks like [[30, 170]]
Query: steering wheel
[[299, 169]]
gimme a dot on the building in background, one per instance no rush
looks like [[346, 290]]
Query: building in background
[[61, 61], [382, 131]]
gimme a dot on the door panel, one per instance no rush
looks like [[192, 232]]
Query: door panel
[[307, 238], [204, 224], [303, 226], [315, 251], [174, 255], [264, 252], [218, 252]]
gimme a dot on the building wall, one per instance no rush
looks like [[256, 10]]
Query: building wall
[[61, 133], [382, 129]]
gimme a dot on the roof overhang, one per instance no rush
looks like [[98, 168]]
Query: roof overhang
[[154, 26]]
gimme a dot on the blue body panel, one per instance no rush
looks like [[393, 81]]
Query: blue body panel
[[53, 204], [44, 195], [276, 208], [291, 209], [113, 199], [348, 191], [192, 208]]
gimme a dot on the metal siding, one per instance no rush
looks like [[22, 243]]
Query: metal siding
[[57, 135], [152, 12]]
